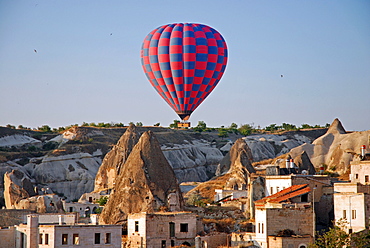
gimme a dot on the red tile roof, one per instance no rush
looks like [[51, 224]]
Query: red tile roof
[[285, 194]]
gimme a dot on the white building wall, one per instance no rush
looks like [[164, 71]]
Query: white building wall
[[360, 172], [275, 184], [351, 207], [260, 229]]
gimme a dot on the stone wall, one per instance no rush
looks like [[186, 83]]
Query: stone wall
[[7, 237], [289, 242]]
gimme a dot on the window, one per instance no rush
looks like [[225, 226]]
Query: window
[[76, 239], [40, 238], [172, 243], [277, 189], [344, 214], [366, 178], [163, 244], [107, 238], [262, 228], [64, 239], [46, 239], [172, 229], [23, 241], [353, 214], [356, 176], [271, 190], [136, 226], [97, 238], [184, 227], [259, 227]]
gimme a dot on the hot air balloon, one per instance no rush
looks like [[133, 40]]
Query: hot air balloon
[[184, 62]]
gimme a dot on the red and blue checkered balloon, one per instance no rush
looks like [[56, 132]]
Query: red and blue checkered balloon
[[184, 62]]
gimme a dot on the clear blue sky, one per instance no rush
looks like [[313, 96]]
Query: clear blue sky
[[82, 73]]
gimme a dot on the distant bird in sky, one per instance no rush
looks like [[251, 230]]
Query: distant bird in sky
[[110, 33], [35, 50], [281, 75]]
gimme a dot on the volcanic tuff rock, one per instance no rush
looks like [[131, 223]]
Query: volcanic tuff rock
[[267, 146], [70, 175], [115, 159], [303, 163], [238, 158], [17, 186], [336, 148], [234, 170], [144, 184], [71, 160]]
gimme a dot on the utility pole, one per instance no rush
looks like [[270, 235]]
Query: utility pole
[[313, 214]]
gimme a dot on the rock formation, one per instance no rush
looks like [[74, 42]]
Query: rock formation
[[235, 172], [20, 193], [239, 158], [144, 184], [335, 149], [17, 186], [193, 161], [115, 159], [49, 203], [68, 163], [70, 175], [304, 164]]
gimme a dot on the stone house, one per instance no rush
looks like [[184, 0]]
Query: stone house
[[276, 183], [352, 200], [162, 229], [360, 172], [65, 234], [82, 208], [286, 217]]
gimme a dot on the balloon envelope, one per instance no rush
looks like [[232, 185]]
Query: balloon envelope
[[184, 62]]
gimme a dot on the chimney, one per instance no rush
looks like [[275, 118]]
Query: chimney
[[32, 230], [60, 218], [363, 150], [287, 163], [94, 219], [291, 163]]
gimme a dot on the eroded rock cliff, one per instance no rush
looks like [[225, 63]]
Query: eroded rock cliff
[[115, 159], [144, 184], [335, 149]]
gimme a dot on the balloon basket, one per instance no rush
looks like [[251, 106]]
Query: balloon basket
[[184, 124]]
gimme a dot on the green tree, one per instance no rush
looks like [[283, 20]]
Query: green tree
[[234, 126], [102, 200], [10, 126], [306, 126], [289, 127], [271, 127], [195, 199], [139, 124], [245, 129], [119, 124], [174, 124], [157, 124], [222, 132], [337, 237], [44, 128], [202, 126]]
